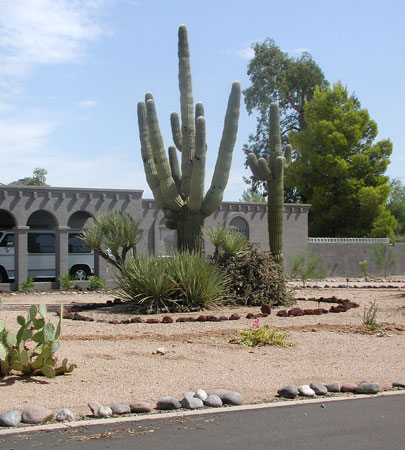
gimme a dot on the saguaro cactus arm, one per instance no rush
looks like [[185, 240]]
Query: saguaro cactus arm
[[187, 110], [176, 131], [167, 184], [174, 166], [214, 195], [198, 173], [147, 157]]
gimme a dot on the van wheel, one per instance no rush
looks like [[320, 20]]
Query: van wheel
[[80, 273], [3, 275]]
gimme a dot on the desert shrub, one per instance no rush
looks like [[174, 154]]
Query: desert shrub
[[183, 282], [264, 335], [364, 269], [97, 283], [370, 317], [67, 281], [384, 256], [308, 267], [28, 285], [255, 278]]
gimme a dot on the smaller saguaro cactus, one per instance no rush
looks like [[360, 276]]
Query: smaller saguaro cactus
[[272, 171]]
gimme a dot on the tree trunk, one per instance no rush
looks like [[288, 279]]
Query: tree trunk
[[189, 231]]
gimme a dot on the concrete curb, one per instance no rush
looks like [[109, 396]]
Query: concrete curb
[[154, 416]]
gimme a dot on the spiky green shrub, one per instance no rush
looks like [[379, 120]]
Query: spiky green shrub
[[145, 282], [183, 282], [255, 278], [230, 241], [200, 282]]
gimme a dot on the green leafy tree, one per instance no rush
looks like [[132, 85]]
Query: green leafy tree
[[38, 178], [289, 82], [250, 196], [396, 204], [113, 236], [339, 169]]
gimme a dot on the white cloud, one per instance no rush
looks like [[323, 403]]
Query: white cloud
[[24, 134], [87, 103], [246, 53], [44, 32]]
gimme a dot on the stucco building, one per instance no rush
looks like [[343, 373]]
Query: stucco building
[[24, 209]]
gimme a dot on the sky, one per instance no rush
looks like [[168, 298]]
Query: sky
[[73, 71]]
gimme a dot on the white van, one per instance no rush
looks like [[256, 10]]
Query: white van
[[41, 255]]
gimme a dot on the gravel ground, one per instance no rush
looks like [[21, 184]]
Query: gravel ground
[[116, 363]]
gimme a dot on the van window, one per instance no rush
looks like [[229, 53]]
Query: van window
[[7, 241], [41, 243], [76, 244]]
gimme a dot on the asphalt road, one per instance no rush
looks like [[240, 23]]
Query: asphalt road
[[361, 424]]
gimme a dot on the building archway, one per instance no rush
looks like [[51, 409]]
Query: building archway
[[42, 219], [79, 220], [239, 224]]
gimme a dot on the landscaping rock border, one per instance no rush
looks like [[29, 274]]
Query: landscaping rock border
[[343, 305], [35, 414]]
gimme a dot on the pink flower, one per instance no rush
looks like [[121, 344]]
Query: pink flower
[[256, 324]]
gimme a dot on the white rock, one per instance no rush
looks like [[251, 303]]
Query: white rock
[[306, 391], [201, 394]]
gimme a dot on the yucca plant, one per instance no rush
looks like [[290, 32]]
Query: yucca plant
[[184, 282], [231, 241], [146, 283], [200, 282]]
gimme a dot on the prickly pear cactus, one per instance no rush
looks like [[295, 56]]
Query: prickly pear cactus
[[179, 189], [272, 171], [32, 350]]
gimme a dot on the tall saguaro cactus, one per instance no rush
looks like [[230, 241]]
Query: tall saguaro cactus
[[179, 191], [272, 171]]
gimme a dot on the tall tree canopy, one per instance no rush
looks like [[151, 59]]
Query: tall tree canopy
[[339, 170], [396, 204], [288, 81]]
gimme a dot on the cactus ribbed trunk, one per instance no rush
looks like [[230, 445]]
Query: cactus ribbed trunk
[[189, 231], [275, 218]]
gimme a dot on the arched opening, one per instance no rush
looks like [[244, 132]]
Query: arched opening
[[80, 220], [43, 220], [240, 225], [6, 220], [7, 260]]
